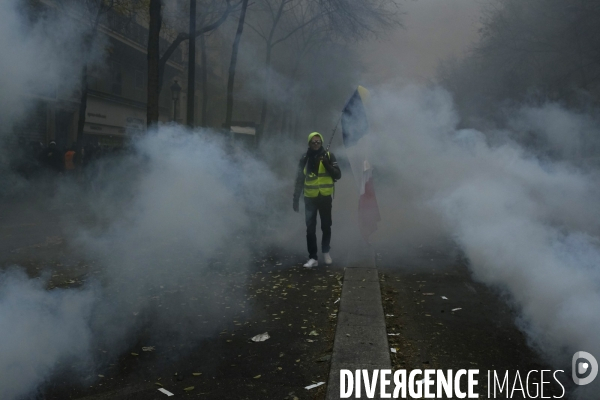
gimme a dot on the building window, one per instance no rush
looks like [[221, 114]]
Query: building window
[[116, 78], [139, 79]]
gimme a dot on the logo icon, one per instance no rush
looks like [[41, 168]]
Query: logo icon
[[585, 368]]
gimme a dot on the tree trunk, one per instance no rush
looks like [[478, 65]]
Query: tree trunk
[[155, 23], [265, 101], [82, 108], [233, 63], [191, 66], [204, 80], [84, 84]]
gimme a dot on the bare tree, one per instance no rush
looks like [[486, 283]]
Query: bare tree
[[191, 65], [308, 38], [158, 62], [341, 19], [154, 26], [296, 15], [233, 63], [529, 51]]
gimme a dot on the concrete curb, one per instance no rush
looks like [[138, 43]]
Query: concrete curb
[[360, 337]]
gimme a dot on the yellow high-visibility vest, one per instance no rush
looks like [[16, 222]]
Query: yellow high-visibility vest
[[320, 183]]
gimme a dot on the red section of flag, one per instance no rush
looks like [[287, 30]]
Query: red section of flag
[[368, 211]]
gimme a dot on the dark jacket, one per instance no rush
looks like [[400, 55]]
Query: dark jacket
[[332, 168], [53, 158]]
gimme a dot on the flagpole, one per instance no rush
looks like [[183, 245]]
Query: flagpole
[[334, 129]]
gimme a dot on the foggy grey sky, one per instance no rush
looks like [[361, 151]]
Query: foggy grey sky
[[433, 30]]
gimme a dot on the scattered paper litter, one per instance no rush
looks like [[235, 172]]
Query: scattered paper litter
[[389, 315], [314, 386], [148, 348], [313, 333], [393, 350], [336, 300], [444, 297], [165, 391], [261, 338], [393, 334], [456, 309], [428, 294]]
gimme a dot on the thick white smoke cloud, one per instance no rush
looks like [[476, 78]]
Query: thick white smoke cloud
[[528, 227], [174, 217], [156, 222], [185, 201], [38, 57], [41, 331], [43, 52], [562, 134]]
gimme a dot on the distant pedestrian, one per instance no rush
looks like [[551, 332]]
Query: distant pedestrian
[[317, 171], [52, 158]]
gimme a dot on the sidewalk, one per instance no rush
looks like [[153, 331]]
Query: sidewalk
[[360, 337]]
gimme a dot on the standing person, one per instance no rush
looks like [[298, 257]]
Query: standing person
[[52, 157], [317, 171]]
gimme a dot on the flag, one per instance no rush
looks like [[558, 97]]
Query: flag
[[355, 132]]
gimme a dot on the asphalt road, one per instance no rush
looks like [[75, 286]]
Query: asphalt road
[[438, 317], [295, 306]]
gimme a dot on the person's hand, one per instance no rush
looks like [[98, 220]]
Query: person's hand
[[296, 206]]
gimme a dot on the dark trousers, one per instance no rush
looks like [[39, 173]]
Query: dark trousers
[[322, 205]]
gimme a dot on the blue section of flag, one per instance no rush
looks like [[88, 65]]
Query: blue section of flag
[[354, 120]]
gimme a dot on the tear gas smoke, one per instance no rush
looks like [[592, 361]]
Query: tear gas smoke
[[558, 133], [43, 55], [174, 231], [41, 330], [165, 214], [528, 227], [188, 205]]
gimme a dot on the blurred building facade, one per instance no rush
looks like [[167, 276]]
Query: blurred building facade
[[117, 89]]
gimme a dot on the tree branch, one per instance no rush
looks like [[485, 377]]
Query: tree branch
[[183, 36], [296, 29], [259, 33]]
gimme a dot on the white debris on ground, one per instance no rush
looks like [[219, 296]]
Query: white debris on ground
[[165, 391], [261, 338], [314, 386]]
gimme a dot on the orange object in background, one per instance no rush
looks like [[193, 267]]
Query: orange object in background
[[69, 163]]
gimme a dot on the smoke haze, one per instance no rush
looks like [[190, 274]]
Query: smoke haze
[[40, 330], [40, 57], [528, 226], [432, 31], [161, 218]]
